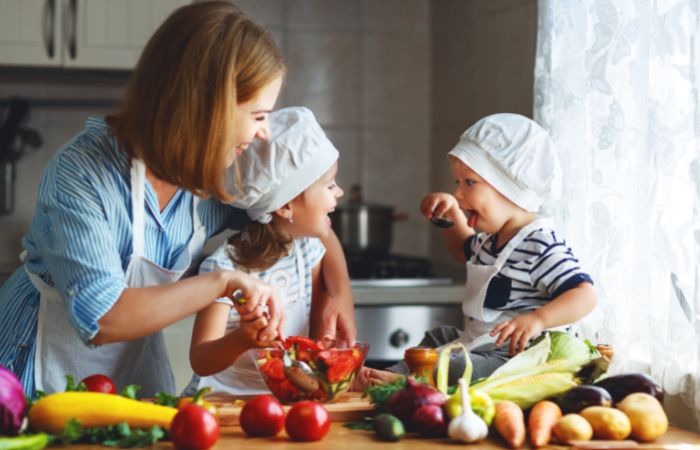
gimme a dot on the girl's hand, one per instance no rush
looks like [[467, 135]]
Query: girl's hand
[[519, 331], [260, 302], [251, 329], [439, 204]]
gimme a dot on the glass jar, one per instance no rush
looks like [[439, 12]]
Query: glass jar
[[421, 362]]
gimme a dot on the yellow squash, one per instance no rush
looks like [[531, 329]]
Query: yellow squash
[[94, 409]]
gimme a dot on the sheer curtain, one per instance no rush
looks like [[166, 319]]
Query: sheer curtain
[[616, 84]]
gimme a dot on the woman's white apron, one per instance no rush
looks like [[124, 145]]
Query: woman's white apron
[[141, 361]]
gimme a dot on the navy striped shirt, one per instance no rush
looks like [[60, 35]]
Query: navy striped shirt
[[80, 241], [540, 269]]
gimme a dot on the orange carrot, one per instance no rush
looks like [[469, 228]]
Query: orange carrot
[[510, 423], [542, 418]]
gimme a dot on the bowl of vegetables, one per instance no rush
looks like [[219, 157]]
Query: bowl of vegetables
[[303, 369]]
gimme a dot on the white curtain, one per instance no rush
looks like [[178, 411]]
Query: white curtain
[[617, 85]]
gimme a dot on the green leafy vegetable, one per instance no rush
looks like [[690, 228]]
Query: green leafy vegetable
[[379, 394], [165, 399], [72, 387], [363, 424], [130, 391], [120, 435]]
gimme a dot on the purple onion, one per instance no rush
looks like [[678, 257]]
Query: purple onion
[[12, 403], [405, 402]]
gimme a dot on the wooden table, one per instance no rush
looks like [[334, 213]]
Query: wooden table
[[341, 438]]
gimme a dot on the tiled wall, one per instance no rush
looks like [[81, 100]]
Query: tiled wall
[[393, 82]]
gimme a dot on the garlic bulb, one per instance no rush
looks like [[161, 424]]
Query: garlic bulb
[[467, 427]]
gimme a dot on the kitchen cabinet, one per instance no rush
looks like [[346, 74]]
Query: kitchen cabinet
[[96, 34]]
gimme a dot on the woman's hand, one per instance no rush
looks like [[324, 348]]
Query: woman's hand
[[261, 302], [439, 204], [519, 331]]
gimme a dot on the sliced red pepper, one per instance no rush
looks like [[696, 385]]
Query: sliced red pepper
[[274, 369], [339, 367], [301, 343]]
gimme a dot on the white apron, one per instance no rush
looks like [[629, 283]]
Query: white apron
[[243, 377], [480, 319], [141, 361]]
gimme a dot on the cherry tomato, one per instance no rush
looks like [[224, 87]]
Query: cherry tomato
[[194, 428], [100, 383], [307, 421], [262, 415]]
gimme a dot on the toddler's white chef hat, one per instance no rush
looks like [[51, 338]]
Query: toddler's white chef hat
[[273, 172], [516, 156]]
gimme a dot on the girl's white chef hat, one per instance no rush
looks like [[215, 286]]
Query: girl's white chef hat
[[272, 173], [516, 156]]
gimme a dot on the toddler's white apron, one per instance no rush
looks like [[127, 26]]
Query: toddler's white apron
[[243, 377], [480, 319], [141, 361]]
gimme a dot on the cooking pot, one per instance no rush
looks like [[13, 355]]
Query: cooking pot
[[364, 227]]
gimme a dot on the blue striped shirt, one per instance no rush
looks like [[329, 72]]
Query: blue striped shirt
[[80, 241], [540, 269]]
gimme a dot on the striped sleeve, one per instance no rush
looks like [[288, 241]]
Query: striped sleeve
[[556, 270], [313, 251], [77, 242], [219, 260]]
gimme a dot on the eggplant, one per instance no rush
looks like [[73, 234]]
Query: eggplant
[[620, 386], [581, 397]]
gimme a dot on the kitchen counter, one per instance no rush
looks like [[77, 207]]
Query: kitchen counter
[[339, 438]]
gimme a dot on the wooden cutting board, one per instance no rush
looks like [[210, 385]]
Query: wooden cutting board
[[350, 406]]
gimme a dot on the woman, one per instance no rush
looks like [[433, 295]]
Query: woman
[[119, 217]]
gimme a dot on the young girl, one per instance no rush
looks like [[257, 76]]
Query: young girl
[[287, 186], [522, 279]]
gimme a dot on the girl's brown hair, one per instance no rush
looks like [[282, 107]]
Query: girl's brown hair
[[260, 246], [178, 110]]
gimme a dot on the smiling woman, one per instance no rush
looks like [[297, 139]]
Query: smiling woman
[[119, 218]]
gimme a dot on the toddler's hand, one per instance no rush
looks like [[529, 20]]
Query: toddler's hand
[[519, 331], [439, 204]]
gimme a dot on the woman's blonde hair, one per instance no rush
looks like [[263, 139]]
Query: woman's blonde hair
[[179, 106]]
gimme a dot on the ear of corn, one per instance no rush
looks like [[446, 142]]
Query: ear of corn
[[93, 409], [526, 391]]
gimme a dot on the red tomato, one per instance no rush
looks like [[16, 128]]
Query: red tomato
[[100, 383], [262, 416], [194, 428], [300, 343], [307, 421]]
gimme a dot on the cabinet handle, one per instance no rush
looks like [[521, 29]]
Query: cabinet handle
[[71, 28], [49, 27]]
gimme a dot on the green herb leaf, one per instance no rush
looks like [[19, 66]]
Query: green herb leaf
[[379, 394], [129, 391], [363, 424], [165, 399], [72, 387]]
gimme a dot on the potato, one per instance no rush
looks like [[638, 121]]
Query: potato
[[646, 415], [607, 423], [572, 427]]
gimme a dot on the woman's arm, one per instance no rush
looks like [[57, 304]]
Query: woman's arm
[[336, 280], [140, 312]]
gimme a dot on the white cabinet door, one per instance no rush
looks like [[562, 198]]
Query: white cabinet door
[[101, 34], [30, 32], [111, 33]]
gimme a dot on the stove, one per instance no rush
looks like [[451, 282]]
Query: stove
[[391, 270], [397, 299]]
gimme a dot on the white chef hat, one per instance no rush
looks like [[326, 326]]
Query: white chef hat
[[274, 172], [516, 156]]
